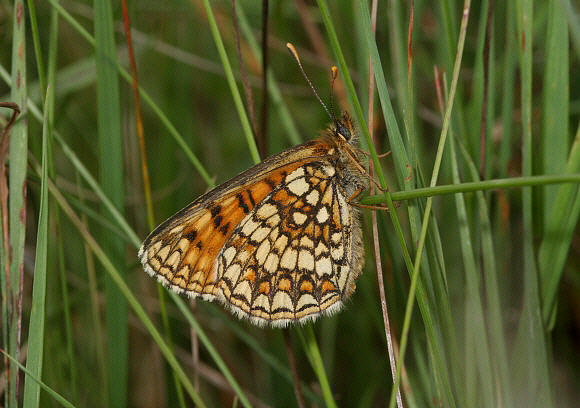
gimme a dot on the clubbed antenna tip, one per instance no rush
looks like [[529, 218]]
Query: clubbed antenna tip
[[334, 74]]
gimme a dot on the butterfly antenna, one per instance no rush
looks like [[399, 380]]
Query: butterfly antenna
[[297, 58], [333, 75]]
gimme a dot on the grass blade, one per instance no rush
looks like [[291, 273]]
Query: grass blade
[[560, 224], [59, 398], [37, 312], [556, 97], [112, 181], [534, 367], [17, 199], [232, 83], [474, 312], [127, 294]]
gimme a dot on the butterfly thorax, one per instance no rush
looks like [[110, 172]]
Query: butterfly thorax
[[342, 140]]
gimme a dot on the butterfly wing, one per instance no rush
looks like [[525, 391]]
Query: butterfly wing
[[180, 252], [296, 255]]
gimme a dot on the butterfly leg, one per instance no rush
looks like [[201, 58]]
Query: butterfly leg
[[371, 207], [367, 154]]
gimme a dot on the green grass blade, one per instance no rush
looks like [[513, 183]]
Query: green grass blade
[[556, 97], [558, 234], [403, 170], [128, 295], [574, 23], [268, 357], [112, 181], [426, 215], [212, 351], [509, 74], [492, 291], [37, 312], [232, 83], [29, 375], [497, 184], [17, 195], [136, 242], [37, 50], [310, 345], [533, 368], [474, 316]]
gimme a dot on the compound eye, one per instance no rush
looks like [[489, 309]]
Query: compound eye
[[343, 131]]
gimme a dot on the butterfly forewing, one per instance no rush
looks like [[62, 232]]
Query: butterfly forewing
[[181, 251]]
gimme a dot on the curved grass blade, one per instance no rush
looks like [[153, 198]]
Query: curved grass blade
[[57, 397]]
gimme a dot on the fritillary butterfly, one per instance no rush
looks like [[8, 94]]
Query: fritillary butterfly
[[278, 244]]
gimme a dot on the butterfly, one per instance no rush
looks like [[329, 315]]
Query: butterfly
[[278, 244]]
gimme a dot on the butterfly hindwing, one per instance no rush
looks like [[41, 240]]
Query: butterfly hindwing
[[292, 257]]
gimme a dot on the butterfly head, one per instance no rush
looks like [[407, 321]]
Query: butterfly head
[[344, 129]]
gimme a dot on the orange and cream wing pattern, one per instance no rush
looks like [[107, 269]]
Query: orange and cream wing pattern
[[180, 252], [279, 243], [295, 256]]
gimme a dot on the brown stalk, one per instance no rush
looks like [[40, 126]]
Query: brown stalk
[[4, 202], [483, 141], [4, 181], [377, 248], [145, 173]]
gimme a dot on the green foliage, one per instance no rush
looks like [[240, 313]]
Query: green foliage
[[481, 238]]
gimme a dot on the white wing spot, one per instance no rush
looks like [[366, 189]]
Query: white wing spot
[[322, 215], [306, 299], [299, 187], [299, 218], [249, 227], [320, 249], [282, 300], [163, 253], [173, 259], [262, 252], [305, 260], [229, 255], [344, 210], [329, 170], [306, 242], [289, 259], [260, 234], [280, 243], [271, 264], [273, 220], [243, 256], [176, 230], [312, 197], [266, 211], [337, 253], [233, 273], [323, 266], [299, 172], [243, 288]]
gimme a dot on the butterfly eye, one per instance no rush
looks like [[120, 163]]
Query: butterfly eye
[[342, 130]]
